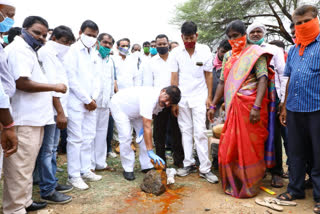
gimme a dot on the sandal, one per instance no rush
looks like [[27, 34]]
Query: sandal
[[276, 181], [269, 205], [280, 202], [316, 208], [285, 175], [286, 196]]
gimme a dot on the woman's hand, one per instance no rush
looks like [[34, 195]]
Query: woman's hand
[[254, 116]]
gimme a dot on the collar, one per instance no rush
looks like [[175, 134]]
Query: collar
[[318, 38], [81, 46], [22, 42]]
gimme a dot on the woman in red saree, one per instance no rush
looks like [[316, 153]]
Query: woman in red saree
[[244, 83]]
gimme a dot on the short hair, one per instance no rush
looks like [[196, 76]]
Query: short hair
[[225, 45], [189, 28], [31, 20], [300, 11], [89, 24], [101, 35], [123, 39], [153, 41], [160, 36], [291, 25], [174, 94], [134, 46], [145, 44], [238, 26], [63, 31], [13, 32], [278, 43]]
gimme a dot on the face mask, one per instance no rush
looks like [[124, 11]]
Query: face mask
[[124, 51], [34, 44], [257, 42], [306, 33], [5, 39], [6, 24], [87, 41], [153, 51], [189, 44], [146, 50], [238, 45], [60, 48], [104, 51], [162, 50]]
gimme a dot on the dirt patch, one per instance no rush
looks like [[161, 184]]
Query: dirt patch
[[190, 194]]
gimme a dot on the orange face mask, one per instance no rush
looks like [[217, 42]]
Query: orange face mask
[[238, 45], [306, 33]]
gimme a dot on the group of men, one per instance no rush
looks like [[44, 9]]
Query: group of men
[[77, 84]]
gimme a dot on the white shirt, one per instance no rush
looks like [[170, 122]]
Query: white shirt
[[55, 71], [127, 72], [84, 81], [4, 98], [192, 83], [105, 69], [278, 63], [157, 72], [138, 102], [29, 109]]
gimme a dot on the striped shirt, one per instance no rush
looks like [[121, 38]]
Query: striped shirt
[[304, 73]]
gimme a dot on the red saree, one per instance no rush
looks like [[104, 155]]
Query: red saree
[[242, 144]]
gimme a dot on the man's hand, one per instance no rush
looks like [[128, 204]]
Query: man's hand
[[209, 102], [254, 116], [61, 121], [210, 115], [91, 106], [175, 110], [156, 160], [9, 141], [283, 116], [60, 87]]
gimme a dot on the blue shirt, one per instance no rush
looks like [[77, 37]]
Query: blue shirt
[[304, 73]]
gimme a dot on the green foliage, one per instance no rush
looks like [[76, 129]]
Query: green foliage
[[212, 16]]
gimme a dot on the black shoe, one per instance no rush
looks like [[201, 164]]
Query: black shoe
[[36, 206], [57, 198], [128, 175], [64, 188], [147, 170]]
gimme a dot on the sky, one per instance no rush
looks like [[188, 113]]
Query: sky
[[138, 20]]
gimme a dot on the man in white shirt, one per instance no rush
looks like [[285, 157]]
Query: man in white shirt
[[84, 83], [191, 67], [146, 51], [51, 57], [158, 75], [256, 33], [127, 66], [32, 109], [134, 107], [105, 70]]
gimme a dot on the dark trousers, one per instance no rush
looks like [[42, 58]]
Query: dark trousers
[[278, 169], [110, 134], [62, 148], [160, 124], [303, 145]]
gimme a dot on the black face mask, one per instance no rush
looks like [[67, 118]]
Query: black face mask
[[162, 50], [35, 44]]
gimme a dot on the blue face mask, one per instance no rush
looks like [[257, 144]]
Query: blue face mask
[[104, 51], [6, 24], [153, 51], [35, 44]]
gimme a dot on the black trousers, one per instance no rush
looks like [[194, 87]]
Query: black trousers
[[303, 146], [160, 124]]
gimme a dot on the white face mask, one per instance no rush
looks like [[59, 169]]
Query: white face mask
[[88, 41], [60, 48]]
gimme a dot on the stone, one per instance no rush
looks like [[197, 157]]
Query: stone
[[154, 182]]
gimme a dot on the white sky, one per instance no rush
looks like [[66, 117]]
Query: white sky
[[139, 20]]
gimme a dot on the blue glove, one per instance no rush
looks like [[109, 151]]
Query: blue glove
[[139, 137], [156, 159]]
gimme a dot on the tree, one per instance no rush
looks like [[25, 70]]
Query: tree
[[212, 16]]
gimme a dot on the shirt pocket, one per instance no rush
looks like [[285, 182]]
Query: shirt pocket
[[315, 63]]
